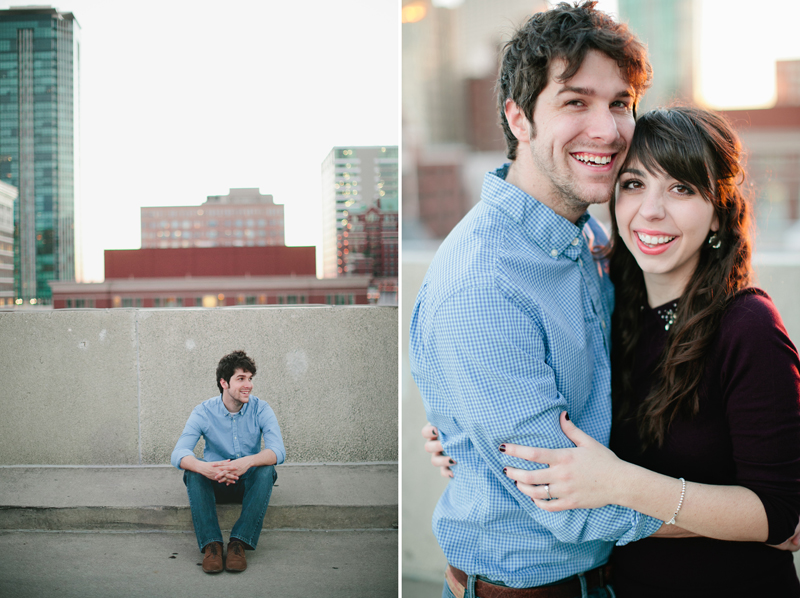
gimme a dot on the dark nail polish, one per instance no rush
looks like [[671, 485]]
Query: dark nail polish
[[567, 416], [502, 448], [505, 470], [452, 462], [515, 482]]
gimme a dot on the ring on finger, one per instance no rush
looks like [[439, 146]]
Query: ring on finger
[[547, 488]]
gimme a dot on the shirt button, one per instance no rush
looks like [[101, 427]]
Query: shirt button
[[554, 253], [603, 324], [575, 241]]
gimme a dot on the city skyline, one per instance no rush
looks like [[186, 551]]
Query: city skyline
[[146, 140], [182, 101]]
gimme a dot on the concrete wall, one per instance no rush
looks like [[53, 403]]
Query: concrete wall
[[779, 275], [115, 387]]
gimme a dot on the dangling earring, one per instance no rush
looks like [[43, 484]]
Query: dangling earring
[[714, 241]]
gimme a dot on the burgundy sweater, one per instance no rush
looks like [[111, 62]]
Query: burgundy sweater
[[747, 433]]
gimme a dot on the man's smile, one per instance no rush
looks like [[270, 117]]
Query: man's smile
[[593, 159]]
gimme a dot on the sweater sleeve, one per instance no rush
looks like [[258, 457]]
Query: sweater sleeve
[[760, 380]]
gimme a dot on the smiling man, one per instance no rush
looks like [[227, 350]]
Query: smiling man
[[234, 469], [511, 325]]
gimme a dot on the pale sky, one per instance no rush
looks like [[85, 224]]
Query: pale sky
[[184, 99], [739, 43]]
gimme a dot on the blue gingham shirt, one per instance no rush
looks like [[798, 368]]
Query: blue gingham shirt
[[510, 328], [230, 435]]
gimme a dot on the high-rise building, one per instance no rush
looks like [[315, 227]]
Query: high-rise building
[[355, 179], [243, 218], [7, 196], [39, 72], [668, 29]]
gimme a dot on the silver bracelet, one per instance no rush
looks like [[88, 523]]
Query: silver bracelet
[[680, 504]]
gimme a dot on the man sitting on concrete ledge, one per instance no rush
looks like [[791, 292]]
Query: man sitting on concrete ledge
[[234, 469]]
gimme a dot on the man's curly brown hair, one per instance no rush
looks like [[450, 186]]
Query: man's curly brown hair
[[238, 360], [565, 32]]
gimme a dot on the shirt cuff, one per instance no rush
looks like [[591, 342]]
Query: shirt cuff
[[280, 454], [643, 526], [178, 455]]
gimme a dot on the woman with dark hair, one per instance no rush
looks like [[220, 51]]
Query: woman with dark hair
[[706, 382]]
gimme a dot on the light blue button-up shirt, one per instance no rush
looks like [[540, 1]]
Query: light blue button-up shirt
[[510, 328], [230, 435]]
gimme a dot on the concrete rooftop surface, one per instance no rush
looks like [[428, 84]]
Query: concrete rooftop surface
[[289, 564], [330, 529]]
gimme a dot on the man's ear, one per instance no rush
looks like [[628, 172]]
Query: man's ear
[[517, 121], [223, 384]]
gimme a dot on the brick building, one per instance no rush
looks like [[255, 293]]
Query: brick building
[[243, 218], [771, 139], [211, 277], [370, 245]]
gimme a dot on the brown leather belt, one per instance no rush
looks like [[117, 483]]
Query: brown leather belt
[[596, 578]]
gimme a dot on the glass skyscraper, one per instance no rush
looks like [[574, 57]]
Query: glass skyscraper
[[39, 66], [668, 29]]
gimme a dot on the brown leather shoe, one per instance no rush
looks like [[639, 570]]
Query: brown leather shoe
[[212, 561], [235, 561]]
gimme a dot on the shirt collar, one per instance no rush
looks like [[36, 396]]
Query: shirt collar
[[554, 234], [224, 409]]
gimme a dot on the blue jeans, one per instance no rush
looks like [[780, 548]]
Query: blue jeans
[[606, 592], [252, 491]]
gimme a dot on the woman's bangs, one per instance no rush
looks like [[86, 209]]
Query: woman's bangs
[[662, 146]]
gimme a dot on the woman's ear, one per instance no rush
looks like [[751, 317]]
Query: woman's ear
[[715, 224]]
